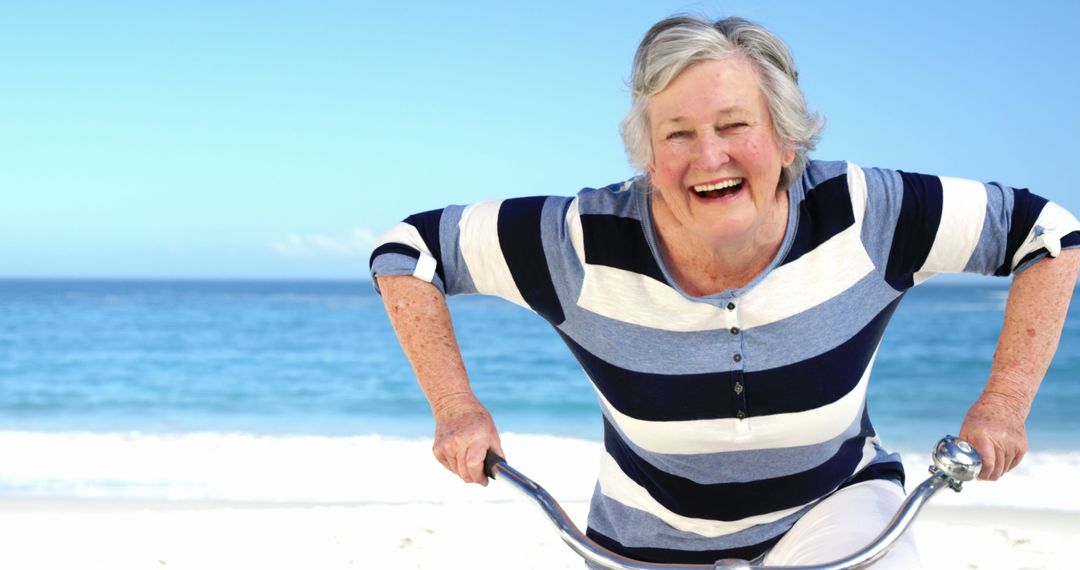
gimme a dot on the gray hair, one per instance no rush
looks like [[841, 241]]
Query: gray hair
[[675, 44]]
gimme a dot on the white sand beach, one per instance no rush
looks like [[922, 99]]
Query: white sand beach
[[117, 535], [410, 514]]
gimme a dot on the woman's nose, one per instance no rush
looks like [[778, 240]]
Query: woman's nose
[[710, 152]]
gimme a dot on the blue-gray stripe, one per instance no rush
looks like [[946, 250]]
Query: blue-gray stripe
[[743, 466], [989, 253], [799, 386], [460, 281], [1026, 209]]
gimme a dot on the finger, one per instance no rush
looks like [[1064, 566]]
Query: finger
[[440, 456], [988, 455], [990, 464], [1001, 461], [474, 460], [461, 465], [1018, 458], [1010, 461], [446, 456], [1015, 455]]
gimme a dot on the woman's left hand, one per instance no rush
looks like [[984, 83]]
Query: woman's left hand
[[995, 426]]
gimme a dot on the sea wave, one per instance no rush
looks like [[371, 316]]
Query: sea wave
[[213, 466], [1042, 481]]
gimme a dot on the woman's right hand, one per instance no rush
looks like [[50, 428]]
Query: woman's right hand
[[464, 432]]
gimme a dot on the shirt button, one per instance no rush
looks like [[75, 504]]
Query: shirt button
[[731, 306], [740, 414], [737, 357], [738, 388], [734, 330]]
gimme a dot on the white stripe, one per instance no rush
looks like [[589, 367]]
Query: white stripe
[[635, 298], [830, 269], [1056, 223], [963, 211], [819, 275], [479, 243], [618, 487], [638, 299], [406, 234], [573, 226], [729, 434], [856, 180]]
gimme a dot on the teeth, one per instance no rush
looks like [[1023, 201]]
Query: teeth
[[719, 186]]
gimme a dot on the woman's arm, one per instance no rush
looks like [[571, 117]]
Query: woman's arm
[[464, 430], [1034, 315]]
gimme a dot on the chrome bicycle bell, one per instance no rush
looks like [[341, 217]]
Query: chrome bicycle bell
[[957, 460]]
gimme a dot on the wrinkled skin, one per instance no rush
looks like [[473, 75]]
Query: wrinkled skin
[[1034, 315], [464, 430]]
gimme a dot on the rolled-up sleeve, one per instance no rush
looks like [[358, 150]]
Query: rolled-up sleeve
[[412, 247], [504, 248], [1038, 229]]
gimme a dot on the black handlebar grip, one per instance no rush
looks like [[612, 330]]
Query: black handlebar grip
[[490, 461]]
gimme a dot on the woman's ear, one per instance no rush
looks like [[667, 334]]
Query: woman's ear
[[788, 155]]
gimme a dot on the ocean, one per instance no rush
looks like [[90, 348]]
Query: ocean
[[224, 389]]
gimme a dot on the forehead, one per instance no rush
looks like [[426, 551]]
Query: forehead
[[708, 89]]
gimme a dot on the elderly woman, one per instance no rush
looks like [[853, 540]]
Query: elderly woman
[[727, 305]]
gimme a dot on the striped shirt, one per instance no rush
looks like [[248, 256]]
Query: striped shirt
[[728, 416]]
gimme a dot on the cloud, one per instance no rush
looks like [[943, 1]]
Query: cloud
[[353, 243]]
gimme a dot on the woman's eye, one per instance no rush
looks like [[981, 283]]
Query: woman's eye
[[732, 126], [677, 135]]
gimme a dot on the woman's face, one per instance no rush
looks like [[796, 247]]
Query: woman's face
[[716, 161]]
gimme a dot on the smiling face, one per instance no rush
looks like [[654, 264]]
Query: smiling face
[[716, 161]]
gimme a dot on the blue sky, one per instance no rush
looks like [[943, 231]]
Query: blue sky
[[277, 139]]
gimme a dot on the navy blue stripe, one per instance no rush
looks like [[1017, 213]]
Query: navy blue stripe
[[618, 242], [672, 556], [657, 397], [820, 380], [825, 212], [1029, 257], [888, 471], [735, 501], [393, 248], [523, 247], [1026, 209], [920, 216], [427, 225], [1070, 240], [797, 387]]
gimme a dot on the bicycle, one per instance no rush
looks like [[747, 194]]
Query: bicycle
[[954, 462]]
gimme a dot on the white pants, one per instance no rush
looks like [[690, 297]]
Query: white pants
[[845, 523]]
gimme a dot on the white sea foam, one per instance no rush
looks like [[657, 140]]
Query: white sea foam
[[378, 469], [247, 467], [1043, 480]]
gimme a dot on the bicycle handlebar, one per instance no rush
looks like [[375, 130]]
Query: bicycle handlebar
[[954, 462]]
